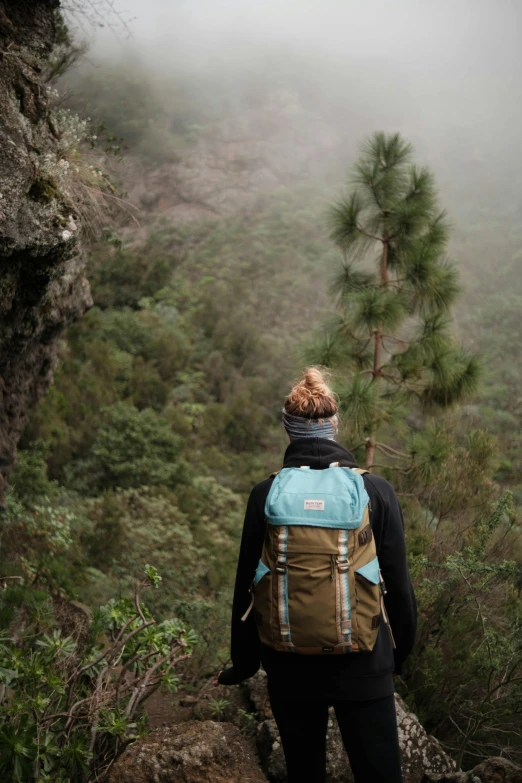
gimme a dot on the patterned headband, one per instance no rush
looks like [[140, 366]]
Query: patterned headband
[[299, 427]]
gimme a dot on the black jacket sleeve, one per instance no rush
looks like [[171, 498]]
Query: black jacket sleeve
[[245, 645], [399, 600]]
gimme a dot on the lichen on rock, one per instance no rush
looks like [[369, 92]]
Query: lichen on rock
[[192, 752], [494, 770], [42, 283], [420, 752]]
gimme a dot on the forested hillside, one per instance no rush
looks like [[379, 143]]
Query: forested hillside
[[211, 266]]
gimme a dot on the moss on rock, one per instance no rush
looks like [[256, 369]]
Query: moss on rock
[[44, 190]]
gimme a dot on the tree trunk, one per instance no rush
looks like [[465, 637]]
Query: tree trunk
[[377, 353], [384, 259]]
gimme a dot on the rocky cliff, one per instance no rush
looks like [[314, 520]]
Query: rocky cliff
[[42, 282]]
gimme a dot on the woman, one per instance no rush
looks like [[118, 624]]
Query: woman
[[359, 685]]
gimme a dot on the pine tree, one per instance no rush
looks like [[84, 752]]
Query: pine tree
[[393, 293]]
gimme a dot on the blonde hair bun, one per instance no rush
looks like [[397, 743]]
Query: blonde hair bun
[[312, 397]]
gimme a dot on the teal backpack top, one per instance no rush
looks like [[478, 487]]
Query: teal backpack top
[[329, 498]]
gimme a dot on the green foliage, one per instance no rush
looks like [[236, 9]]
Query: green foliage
[[180, 363], [73, 699], [30, 480], [493, 319], [192, 538], [218, 708], [200, 364], [132, 448], [123, 278], [467, 666], [36, 539], [209, 351], [246, 722]]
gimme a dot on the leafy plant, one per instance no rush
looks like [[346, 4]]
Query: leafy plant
[[465, 674], [74, 701], [246, 722], [218, 708]]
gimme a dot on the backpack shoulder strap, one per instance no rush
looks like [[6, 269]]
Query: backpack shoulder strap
[[360, 471], [275, 473]]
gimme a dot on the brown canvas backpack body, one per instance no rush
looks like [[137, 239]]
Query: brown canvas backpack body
[[318, 587]]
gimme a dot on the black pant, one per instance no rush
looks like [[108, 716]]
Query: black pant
[[368, 729]]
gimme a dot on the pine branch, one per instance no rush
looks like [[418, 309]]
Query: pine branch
[[400, 454]]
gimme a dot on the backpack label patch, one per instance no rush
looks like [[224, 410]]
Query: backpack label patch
[[314, 505]]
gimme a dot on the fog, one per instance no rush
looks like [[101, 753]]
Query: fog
[[430, 67], [444, 73], [469, 32]]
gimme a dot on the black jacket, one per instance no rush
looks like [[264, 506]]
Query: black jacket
[[351, 676]]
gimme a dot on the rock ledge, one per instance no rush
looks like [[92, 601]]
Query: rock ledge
[[193, 752]]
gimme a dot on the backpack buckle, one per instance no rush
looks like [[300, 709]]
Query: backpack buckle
[[343, 567]]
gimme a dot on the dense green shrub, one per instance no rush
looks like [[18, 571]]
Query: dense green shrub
[[74, 699], [132, 448], [466, 669]]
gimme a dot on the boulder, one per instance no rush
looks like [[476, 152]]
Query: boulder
[[192, 752], [272, 756], [495, 770], [420, 752]]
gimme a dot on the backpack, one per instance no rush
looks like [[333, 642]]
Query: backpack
[[318, 588]]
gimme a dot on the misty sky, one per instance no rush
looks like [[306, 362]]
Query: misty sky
[[457, 55], [472, 33], [444, 73]]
